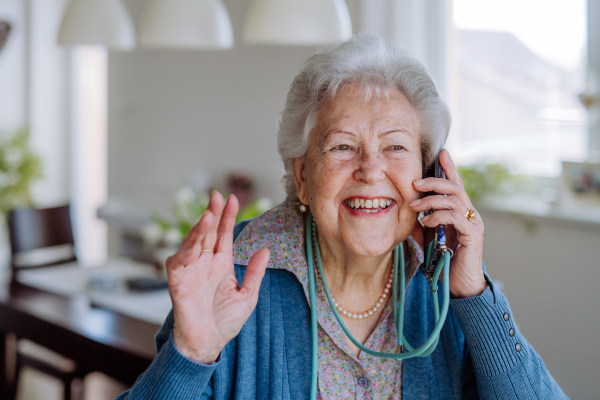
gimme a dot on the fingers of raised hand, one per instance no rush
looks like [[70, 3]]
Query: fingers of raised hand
[[199, 231], [215, 207], [255, 272], [191, 247], [225, 231]]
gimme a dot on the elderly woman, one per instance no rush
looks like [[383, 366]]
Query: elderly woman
[[362, 122]]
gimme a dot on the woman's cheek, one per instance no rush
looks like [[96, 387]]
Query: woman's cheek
[[404, 185], [326, 165]]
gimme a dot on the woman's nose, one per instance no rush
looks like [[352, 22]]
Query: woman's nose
[[370, 167]]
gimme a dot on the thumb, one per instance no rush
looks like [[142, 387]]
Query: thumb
[[255, 272]]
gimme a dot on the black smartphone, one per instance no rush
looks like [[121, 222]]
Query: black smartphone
[[439, 235], [435, 170]]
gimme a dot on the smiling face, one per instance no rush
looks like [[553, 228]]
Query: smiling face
[[358, 171]]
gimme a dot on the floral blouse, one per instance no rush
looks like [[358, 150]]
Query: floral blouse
[[341, 374]]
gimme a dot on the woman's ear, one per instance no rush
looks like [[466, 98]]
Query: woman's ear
[[298, 168]]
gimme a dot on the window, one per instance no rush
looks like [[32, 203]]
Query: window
[[518, 67]]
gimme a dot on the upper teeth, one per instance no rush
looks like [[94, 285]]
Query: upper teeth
[[375, 203]]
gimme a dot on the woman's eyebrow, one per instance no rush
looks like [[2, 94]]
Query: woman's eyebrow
[[396, 130], [381, 135], [334, 131]]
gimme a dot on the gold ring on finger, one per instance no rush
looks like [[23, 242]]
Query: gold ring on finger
[[470, 214], [203, 250]]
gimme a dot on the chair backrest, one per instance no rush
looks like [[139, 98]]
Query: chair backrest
[[35, 229]]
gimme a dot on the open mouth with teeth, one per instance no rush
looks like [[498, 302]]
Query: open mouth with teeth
[[369, 206]]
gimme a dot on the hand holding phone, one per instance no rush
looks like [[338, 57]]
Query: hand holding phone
[[438, 241], [450, 227]]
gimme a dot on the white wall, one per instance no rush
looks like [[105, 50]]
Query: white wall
[[49, 102], [551, 281], [12, 67]]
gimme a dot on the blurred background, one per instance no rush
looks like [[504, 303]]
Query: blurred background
[[117, 117]]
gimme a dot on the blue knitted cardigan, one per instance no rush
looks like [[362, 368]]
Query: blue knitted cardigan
[[271, 356]]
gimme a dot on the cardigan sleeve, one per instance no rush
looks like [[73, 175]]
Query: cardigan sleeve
[[172, 375], [505, 364]]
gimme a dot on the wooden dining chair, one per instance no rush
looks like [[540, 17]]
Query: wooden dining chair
[[42, 238]]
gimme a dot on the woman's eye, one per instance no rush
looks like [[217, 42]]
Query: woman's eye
[[342, 147], [396, 147]]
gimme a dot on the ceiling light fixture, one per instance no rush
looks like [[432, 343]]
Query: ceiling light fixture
[[297, 22], [105, 22], [192, 24]]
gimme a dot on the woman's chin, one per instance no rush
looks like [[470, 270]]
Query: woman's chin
[[371, 236], [368, 250], [365, 244]]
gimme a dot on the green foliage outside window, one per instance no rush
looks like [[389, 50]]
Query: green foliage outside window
[[482, 179], [19, 167]]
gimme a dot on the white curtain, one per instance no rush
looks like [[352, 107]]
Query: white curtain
[[422, 26]]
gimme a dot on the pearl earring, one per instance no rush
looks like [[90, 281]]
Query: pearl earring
[[302, 208]]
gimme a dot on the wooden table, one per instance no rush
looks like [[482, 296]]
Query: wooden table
[[119, 346]]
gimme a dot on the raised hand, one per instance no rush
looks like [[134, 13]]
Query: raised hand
[[451, 204], [209, 307]]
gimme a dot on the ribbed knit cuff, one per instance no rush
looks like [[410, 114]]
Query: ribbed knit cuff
[[482, 319], [174, 376]]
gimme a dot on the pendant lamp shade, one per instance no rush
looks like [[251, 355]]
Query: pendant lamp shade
[[104, 22], [193, 24], [297, 22]]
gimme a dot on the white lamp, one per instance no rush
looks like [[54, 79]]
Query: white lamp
[[104, 22], [194, 24], [297, 22]]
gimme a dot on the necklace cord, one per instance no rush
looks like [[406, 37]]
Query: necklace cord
[[426, 348], [313, 309]]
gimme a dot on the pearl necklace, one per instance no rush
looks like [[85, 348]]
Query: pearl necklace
[[373, 310]]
